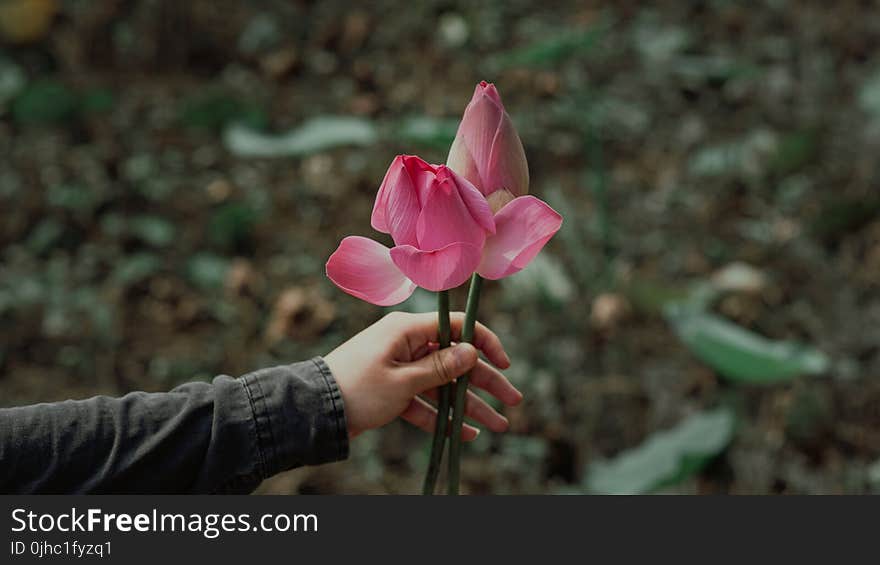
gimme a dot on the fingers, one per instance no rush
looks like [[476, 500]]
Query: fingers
[[492, 381], [423, 328], [486, 341], [423, 416], [439, 368], [477, 409]]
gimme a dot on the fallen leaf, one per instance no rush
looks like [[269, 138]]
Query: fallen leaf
[[665, 458], [299, 313], [739, 354], [316, 134]]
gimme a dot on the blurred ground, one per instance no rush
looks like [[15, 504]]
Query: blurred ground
[[147, 237]]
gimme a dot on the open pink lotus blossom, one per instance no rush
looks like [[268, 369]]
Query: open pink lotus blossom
[[439, 223], [487, 150]]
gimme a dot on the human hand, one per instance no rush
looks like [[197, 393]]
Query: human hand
[[382, 371]]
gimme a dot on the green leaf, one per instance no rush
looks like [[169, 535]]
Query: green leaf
[[560, 46], [97, 101], [666, 458], [214, 110], [232, 225], [207, 271], [795, 151], [135, 268], [427, 131], [45, 235], [874, 475], [73, 197], [316, 134], [739, 354], [153, 230], [838, 216], [747, 157], [44, 102], [261, 33], [869, 95], [12, 80]]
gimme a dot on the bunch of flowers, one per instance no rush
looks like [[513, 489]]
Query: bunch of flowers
[[470, 218]]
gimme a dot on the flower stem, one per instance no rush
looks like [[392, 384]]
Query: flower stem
[[443, 399], [461, 385]]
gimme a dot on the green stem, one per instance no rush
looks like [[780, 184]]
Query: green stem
[[461, 385], [443, 399]]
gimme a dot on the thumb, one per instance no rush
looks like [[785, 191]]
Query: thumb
[[441, 367]]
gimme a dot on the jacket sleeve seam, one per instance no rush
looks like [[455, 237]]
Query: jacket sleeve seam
[[261, 456], [338, 410]]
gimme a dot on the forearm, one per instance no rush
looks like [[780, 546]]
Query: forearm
[[226, 436]]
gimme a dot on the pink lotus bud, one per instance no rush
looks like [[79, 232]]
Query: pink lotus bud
[[487, 150]]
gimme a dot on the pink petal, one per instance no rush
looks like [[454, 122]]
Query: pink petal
[[442, 269], [402, 194], [522, 229], [471, 150], [401, 213], [488, 89], [446, 219], [422, 174], [508, 168], [462, 161], [394, 176], [473, 199], [363, 268]]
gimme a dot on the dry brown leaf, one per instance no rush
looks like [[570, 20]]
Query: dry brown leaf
[[299, 313]]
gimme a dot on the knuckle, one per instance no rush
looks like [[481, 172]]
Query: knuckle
[[441, 369]]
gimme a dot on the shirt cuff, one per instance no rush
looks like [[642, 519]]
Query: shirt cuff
[[299, 415]]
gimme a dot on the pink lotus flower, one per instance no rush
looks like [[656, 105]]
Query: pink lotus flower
[[487, 150], [439, 223]]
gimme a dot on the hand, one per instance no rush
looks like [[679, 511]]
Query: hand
[[382, 371]]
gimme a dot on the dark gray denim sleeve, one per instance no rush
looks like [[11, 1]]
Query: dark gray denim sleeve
[[223, 436]]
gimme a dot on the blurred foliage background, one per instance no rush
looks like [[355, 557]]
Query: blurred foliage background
[[173, 176]]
